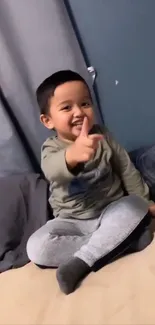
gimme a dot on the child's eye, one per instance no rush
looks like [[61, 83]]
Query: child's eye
[[85, 104], [66, 108]]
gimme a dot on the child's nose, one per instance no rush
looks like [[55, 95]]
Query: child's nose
[[78, 111]]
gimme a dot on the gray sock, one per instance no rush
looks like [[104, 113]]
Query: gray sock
[[70, 273]]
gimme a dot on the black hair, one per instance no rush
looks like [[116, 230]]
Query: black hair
[[46, 89]]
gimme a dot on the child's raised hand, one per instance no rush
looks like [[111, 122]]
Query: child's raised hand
[[84, 147]]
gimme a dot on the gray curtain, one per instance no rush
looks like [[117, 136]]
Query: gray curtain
[[36, 39]]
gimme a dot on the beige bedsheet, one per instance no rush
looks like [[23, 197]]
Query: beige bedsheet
[[121, 293]]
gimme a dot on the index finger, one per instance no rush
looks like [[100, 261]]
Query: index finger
[[85, 127]]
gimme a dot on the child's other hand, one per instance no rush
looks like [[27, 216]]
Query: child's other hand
[[152, 210], [84, 147]]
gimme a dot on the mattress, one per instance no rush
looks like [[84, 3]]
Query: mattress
[[123, 292]]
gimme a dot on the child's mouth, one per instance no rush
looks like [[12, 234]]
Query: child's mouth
[[78, 123], [77, 126]]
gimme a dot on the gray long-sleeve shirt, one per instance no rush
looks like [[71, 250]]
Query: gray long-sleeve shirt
[[92, 186]]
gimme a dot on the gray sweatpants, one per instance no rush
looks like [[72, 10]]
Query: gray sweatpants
[[90, 240]]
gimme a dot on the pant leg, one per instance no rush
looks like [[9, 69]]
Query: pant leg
[[58, 240], [118, 221]]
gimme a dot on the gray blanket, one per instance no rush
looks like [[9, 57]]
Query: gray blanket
[[144, 160], [23, 209]]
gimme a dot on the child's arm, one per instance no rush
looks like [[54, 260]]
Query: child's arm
[[130, 176], [53, 163]]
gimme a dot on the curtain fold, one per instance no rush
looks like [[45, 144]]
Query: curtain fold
[[16, 141], [13, 159]]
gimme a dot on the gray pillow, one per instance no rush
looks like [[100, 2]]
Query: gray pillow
[[23, 209]]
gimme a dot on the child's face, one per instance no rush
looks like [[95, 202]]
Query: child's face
[[68, 107]]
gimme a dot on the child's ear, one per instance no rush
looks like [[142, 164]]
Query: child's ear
[[47, 121]]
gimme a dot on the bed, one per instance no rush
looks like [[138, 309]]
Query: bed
[[120, 293]]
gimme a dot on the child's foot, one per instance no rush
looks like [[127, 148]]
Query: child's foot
[[142, 242], [70, 273]]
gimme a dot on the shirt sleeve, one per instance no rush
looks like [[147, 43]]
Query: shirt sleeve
[[130, 176], [53, 164]]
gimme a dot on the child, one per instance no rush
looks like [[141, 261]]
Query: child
[[89, 174]]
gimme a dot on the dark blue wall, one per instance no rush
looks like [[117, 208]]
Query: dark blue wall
[[119, 39]]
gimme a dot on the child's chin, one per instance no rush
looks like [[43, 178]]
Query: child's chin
[[76, 131]]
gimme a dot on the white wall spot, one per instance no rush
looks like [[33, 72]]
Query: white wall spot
[[116, 82]]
